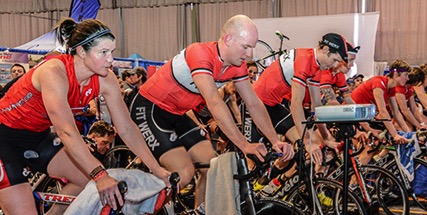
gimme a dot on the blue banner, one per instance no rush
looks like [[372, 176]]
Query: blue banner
[[84, 9]]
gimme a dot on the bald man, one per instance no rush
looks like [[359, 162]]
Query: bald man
[[192, 76]]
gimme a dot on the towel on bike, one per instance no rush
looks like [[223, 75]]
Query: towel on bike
[[143, 189], [407, 152], [222, 191]]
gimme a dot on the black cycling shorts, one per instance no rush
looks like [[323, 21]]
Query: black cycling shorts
[[23, 152], [162, 130], [281, 118]]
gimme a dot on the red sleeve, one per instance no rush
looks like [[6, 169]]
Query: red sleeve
[[301, 70], [326, 79], [400, 89], [341, 82], [378, 83], [199, 58]]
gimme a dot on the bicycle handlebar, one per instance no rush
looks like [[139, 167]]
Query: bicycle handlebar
[[270, 156], [281, 36]]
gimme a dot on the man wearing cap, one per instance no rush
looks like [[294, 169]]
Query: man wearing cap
[[358, 79], [350, 84], [335, 77], [281, 88], [135, 78]]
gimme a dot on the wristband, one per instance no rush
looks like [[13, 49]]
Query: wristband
[[100, 175], [96, 171]]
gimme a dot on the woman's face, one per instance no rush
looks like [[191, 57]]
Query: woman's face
[[100, 57], [252, 72], [402, 78]]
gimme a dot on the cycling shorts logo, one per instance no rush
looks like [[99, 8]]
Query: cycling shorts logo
[[30, 154], [56, 141], [202, 132], [173, 137], [26, 172]]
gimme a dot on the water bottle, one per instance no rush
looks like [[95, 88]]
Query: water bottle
[[387, 70], [271, 187]]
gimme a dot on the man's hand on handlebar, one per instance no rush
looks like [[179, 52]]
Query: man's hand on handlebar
[[400, 139], [108, 192], [316, 151], [163, 174], [257, 149], [285, 148]]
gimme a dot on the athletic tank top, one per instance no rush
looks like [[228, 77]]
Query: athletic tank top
[[22, 106]]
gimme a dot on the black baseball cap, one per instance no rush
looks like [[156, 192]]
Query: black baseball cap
[[336, 42], [349, 81], [351, 49], [358, 76]]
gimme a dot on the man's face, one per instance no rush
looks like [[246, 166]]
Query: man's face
[[358, 81], [351, 59], [134, 78], [341, 67], [103, 143], [328, 59], [16, 71]]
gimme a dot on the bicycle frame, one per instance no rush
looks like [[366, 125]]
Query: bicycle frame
[[337, 174], [54, 198]]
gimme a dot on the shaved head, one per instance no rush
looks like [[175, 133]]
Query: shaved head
[[239, 36], [240, 26]]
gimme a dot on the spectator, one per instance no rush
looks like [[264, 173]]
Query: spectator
[[17, 70], [135, 78], [138, 76], [358, 80], [103, 134], [350, 84], [252, 70], [127, 86]]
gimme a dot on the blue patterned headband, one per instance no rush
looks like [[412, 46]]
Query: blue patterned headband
[[91, 37]]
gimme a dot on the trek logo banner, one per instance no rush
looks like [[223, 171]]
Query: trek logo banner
[[84, 9]]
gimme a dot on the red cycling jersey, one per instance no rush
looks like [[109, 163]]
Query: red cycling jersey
[[22, 106], [329, 80], [406, 90], [299, 66], [172, 87], [364, 93]]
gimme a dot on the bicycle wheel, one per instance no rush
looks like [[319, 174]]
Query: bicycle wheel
[[420, 197], [329, 194], [122, 157], [385, 189], [263, 55], [48, 185], [275, 206]]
